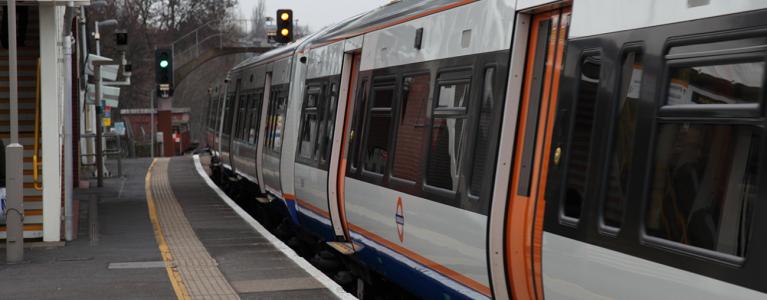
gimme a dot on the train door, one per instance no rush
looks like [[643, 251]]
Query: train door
[[524, 212], [235, 113], [337, 167], [262, 132]]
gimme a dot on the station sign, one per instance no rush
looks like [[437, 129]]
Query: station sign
[[110, 94], [107, 72]]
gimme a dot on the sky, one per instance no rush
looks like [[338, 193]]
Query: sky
[[316, 13]]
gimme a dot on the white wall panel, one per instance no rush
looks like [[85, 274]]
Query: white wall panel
[[614, 275], [490, 24], [325, 60], [452, 237], [592, 17]]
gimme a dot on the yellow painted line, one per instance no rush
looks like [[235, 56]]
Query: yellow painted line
[[173, 275]]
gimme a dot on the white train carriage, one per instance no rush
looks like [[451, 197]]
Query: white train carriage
[[520, 149]]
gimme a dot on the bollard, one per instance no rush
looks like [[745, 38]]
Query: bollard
[[14, 213], [14, 156]]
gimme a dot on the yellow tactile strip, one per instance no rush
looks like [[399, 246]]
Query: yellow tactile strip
[[191, 269]]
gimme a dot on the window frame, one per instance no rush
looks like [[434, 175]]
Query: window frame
[[724, 111], [702, 115], [378, 83], [318, 89], [589, 187], [277, 91], [604, 171], [448, 76], [474, 66], [397, 111], [358, 124]]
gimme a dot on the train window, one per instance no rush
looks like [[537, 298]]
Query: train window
[[276, 120], [408, 150], [328, 124], [579, 160], [356, 133], [482, 144], [728, 83], [378, 131], [704, 185], [619, 162], [242, 115], [228, 117], [268, 129], [447, 135], [309, 123], [281, 108], [453, 95], [255, 118]]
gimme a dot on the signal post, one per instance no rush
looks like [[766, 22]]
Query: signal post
[[164, 96]]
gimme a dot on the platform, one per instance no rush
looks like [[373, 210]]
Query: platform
[[165, 231]]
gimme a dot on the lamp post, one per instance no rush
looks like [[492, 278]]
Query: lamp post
[[97, 72], [99, 149], [14, 154]]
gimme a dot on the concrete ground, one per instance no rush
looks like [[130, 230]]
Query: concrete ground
[[120, 232]]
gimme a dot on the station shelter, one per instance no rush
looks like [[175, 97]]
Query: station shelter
[[48, 93]]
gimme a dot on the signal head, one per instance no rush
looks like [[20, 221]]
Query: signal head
[[284, 26]]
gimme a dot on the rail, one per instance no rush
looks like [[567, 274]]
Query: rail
[[116, 152], [213, 35], [37, 184]]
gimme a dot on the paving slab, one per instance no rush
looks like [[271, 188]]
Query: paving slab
[[80, 270], [255, 268]]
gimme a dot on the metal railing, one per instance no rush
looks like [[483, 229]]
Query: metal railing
[[37, 184], [116, 151], [215, 34]]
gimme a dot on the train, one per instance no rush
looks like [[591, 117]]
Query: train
[[525, 149]]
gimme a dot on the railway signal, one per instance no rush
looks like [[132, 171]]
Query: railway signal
[[164, 72], [284, 26]]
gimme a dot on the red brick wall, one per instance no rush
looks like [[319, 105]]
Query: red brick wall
[[410, 135]]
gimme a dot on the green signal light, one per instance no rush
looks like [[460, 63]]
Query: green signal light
[[163, 64]]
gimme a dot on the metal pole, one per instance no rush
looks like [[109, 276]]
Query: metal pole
[[68, 225], [14, 154], [85, 109], [99, 146], [97, 37], [151, 121]]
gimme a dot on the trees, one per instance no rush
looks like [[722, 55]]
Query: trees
[[151, 24]]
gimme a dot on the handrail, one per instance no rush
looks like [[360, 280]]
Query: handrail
[[35, 158]]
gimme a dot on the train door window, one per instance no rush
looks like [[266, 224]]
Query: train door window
[[282, 105], [378, 131], [268, 126], [447, 134], [408, 149], [707, 154], [228, 117], [254, 118], [328, 123], [309, 123], [579, 161], [482, 145], [242, 116], [252, 99], [621, 153], [355, 138]]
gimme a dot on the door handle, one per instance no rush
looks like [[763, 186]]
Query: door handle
[[557, 155]]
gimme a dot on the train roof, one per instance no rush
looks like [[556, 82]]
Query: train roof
[[392, 13]]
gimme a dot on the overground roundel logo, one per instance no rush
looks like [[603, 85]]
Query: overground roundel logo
[[399, 217]]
